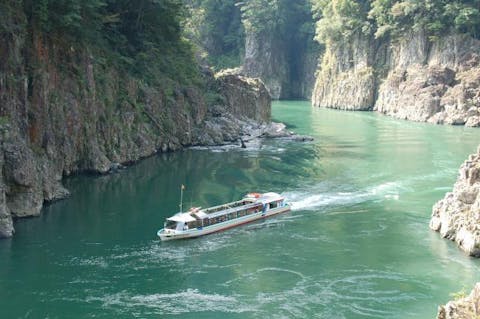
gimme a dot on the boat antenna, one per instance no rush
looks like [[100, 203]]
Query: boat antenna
[[182, 188]]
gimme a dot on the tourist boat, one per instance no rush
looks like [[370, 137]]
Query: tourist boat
[[198, 222]]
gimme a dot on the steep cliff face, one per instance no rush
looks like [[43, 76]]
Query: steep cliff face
[[62, 111], [346, 77], [287, 75], [264, 59], [411, 78], [457, 215], [436, 82], [279, 46], [467, 307]]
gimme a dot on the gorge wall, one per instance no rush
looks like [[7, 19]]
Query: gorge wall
[[268, 39], [286, 67], [65, 108], [457, 215], [411, 78]]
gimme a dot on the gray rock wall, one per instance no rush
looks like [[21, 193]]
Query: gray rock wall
[[264, 59], [411, 78], [270, 58], [457, 215], [346, 77]]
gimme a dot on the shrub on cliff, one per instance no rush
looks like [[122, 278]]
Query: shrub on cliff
[[142, 37]]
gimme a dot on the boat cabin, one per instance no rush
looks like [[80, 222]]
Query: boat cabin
[[197, 218]]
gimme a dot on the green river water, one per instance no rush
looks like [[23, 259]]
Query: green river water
[[356, 244]]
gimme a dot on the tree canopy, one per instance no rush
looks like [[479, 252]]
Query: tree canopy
[[144, 36], [342, 18]]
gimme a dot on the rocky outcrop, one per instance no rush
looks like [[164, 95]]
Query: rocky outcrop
[[457, 215], [61, 113], [244, 96], [437, 82], [464, 307], [411, 78], [244, 106]]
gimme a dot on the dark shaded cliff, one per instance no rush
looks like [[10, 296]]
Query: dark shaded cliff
[[268, 39], [70, 105]]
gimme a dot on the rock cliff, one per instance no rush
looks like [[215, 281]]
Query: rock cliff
[[263, 60], [346, 77], [63, 112], [467, 307], [410, 78], [286, 74], [457, 215]]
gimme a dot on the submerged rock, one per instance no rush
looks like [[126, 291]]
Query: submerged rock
[[465, 307], [276, 130], [457, 215]]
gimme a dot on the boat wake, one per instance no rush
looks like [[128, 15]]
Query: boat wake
[[319, 196]]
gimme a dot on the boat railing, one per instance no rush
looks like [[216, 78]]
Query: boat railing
[[214, 209]]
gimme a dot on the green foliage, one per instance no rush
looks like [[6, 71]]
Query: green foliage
[[216, 27], [262, 15], [342, 18], [141, 37], [459, 294]]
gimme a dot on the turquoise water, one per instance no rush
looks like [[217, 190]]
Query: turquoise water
[[356, 245]]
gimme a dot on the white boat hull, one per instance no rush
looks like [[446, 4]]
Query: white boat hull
[[196, 232]]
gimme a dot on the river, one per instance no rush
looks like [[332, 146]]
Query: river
[[356, 244]]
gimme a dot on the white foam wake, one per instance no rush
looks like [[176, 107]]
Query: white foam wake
[[317, 197]]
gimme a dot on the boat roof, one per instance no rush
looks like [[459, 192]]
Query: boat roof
[[201, 215], [233, 210], [182, 217], [264, 198], [269, 197]]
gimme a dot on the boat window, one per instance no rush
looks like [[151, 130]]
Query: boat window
[[170, 224], [194, 224], [273, 205]]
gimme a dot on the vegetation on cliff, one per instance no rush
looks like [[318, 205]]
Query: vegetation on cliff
[[142, 37], [340, 18], [215, 27]]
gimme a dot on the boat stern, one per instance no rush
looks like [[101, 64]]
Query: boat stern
[[166, 234]]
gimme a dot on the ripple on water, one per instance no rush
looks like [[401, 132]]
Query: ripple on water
[[187, 301], [368, 294]]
